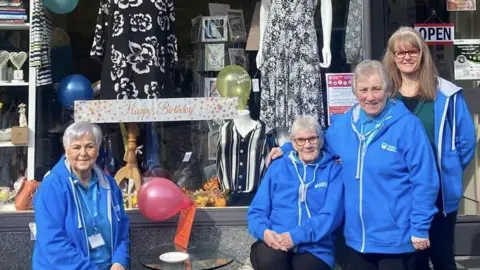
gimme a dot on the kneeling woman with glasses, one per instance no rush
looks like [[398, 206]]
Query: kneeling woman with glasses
[[298, 206]]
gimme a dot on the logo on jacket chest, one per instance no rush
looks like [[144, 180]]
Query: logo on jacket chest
[[388, 147], [321, 185]]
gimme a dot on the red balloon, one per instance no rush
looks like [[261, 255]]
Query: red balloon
[[160, 199]]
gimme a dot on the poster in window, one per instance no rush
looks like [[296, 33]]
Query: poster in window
[[340, 97], [466, 55]]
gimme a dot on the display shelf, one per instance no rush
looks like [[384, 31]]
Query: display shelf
[[10, 144], [14, 26], [13, 83]]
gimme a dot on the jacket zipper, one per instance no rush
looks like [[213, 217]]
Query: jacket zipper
[[439, 154], [360, 205]]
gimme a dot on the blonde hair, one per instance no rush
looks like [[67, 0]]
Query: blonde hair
[[427, 79]]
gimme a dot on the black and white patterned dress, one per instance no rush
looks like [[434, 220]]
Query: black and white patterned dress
[[291, 79], [136, 42]]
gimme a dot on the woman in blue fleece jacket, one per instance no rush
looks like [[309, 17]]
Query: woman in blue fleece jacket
[[298, 206], [389, 173], [443, 111], [79, 215]]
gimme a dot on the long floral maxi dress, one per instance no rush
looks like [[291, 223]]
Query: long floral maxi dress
[[136, 43], [291, 79]]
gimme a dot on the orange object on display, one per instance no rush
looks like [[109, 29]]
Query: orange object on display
[[184, 227]]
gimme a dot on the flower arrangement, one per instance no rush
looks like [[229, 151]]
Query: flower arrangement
[[210, 195]]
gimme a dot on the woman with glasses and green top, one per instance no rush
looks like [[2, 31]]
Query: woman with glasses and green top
[[442, 109]]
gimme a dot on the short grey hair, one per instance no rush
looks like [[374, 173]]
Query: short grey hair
[[368, 68], [306, 123], [79, 129]]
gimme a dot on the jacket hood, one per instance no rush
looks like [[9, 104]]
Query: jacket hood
[[322, 161], [398, 111], [447, 88], [63, 168]]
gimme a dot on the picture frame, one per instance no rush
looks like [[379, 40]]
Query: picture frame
[[214, 29], [212, 144], [236, 25], [214, 57], [237, 57], [211, 88]]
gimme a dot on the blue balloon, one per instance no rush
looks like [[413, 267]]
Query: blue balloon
[[74, 87], [60, 6]]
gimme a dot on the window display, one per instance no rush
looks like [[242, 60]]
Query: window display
[[136, 56]]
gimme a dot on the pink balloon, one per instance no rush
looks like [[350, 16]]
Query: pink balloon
[[160, 199]]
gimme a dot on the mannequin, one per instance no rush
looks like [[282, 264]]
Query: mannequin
[[289, 61], [241, 152]]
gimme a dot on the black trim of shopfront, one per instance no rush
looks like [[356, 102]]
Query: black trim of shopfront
[[467, 229]]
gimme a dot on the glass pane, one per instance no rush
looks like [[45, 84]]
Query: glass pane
[[73, 35]]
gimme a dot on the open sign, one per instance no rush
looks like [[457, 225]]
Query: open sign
[[436, 33]]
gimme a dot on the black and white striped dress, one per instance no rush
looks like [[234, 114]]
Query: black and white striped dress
[[241, 160], [40, 46]]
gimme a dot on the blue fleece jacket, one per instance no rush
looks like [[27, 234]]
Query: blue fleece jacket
[[61, 241], [455, 141], [391, 183], [305, 200]]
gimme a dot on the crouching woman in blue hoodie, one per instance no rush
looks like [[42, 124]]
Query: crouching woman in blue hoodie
[[81, 223], [298, 206], [390, 177]]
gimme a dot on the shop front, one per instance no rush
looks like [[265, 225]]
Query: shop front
[[215, 165]]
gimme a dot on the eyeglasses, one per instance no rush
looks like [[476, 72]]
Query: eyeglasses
[[402, 54], [302, 141]]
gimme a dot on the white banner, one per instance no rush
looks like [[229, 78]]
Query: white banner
[[155, 110]]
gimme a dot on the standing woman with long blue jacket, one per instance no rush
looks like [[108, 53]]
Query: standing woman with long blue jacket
[[442, 109], [81, 222]]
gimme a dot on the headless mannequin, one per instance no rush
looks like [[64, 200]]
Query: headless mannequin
[[326, 11], [244, 123]]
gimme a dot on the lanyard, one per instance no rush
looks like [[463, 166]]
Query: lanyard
[[94, 203]]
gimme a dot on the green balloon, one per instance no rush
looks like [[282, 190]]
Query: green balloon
[[234, 81]]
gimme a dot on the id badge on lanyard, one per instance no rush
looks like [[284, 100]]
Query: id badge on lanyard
[[95, 240]]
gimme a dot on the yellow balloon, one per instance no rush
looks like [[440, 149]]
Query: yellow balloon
[[234, 81]]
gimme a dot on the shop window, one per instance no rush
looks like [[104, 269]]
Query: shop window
[[73, 37]]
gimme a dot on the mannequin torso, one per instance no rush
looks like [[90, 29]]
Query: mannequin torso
[[244, 123]]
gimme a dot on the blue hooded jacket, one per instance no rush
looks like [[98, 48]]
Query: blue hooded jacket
[[61, 240], [391, 182], [455, 141], [305, 200]]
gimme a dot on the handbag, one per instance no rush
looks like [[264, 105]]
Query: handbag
[[24, 198]]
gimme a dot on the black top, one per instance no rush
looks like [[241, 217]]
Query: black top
[[411, 102]]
